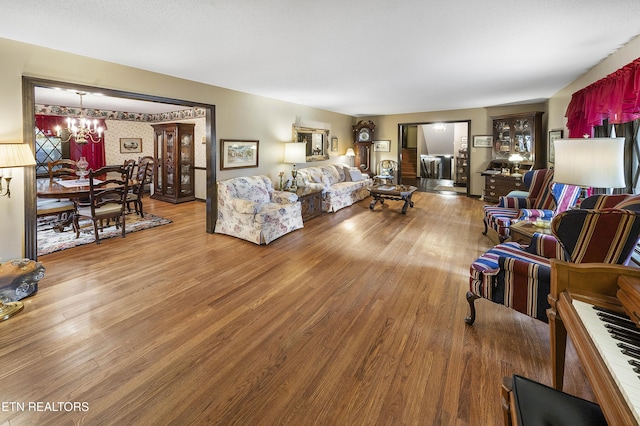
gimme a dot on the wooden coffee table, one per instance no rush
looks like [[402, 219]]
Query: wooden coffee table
[[523, 230], [392, 192]]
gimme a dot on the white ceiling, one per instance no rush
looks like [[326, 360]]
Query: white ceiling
[[358, 57]]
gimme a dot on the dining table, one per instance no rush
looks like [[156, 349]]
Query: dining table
[[72, 189]]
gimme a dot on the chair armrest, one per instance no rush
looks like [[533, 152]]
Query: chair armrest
[[284, 197], [546, 246], [514, 202], [244, 206], [523, 267], [316, 185], [528, 214]]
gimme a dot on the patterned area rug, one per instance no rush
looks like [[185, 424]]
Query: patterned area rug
[[50, 241]]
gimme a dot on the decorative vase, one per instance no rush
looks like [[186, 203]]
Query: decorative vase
[[82, 165]]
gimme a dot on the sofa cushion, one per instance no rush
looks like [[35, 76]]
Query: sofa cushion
[[331, 174], [356, 175], [339, 170]]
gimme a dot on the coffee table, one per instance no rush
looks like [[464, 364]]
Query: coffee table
[[523, 230], [392, 192]]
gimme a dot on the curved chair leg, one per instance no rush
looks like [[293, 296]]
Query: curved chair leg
[[485, 227], [471, 298]]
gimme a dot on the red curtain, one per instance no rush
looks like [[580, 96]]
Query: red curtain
[[615, 97], [93, 152]]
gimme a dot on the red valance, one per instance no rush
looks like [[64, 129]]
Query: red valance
[[615, 97], [93, 152]]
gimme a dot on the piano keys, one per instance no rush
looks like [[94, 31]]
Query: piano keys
[[575, 290], [618, 364]]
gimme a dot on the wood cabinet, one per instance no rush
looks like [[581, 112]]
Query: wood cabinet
[[496, 185], [173, 154], [462, 165], [311, 202], [520, 134]]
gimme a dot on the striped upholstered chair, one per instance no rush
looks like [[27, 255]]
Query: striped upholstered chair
[[546, 199], [519, 276]]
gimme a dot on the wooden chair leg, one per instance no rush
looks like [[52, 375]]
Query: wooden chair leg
[[505, 391], [95, 230], [486, 229], [471, 298]]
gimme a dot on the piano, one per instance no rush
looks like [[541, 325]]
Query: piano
[[598, 307]]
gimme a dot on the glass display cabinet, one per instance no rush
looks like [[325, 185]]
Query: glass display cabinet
[[519, 134], [173, 154]]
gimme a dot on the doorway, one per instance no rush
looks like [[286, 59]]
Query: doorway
[[434, 156], [29, 94]]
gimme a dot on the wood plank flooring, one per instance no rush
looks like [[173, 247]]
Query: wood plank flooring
[[357, 319]]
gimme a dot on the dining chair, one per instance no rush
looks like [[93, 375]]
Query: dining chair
[[108, 187], [62, 208], [63, 167], [143, 177]]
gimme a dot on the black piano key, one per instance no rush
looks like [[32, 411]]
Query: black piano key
[[634, 362], [626, 339], [623, 322], [631, 333], [629, 350], [610, 312]]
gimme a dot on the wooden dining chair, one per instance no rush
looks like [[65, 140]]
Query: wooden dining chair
[[143, 177], [108, 187], [64, 168], [62, 208]]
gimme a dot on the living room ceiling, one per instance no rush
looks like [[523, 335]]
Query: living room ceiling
[[357, 57]]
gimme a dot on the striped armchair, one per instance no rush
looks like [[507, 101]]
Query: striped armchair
[[546, 199], [519, 276]]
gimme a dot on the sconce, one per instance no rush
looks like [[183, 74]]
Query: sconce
[[13, 155]]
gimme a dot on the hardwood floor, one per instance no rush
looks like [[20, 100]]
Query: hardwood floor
[[357, 319]]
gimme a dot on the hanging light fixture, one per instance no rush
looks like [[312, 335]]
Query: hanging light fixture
[[81, 129]]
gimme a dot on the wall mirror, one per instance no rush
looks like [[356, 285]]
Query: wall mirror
[[317, 142]]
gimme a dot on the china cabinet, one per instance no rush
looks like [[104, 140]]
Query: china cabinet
[[173, 154], [519, 134]]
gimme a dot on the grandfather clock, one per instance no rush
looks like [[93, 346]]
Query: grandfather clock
[[363, 139]]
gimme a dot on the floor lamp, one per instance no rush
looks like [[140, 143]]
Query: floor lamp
[[590, 162]]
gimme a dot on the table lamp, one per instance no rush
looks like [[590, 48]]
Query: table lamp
[[351, 156], [590, 163], [295, 153], [516, 159]]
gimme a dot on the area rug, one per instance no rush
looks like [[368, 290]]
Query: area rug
[[458, 189], [50, 241]]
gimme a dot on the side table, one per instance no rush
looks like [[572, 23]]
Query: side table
[[311, 202], [523, 230]]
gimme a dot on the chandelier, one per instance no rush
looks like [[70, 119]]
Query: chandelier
[[81, 129]]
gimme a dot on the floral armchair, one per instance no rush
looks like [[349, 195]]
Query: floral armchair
[[546, 199], [249, 208], [519, 277]]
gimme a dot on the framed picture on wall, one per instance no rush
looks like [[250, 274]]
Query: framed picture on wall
[[551, 152], [334, 144], [482, 141], [383, 146], [130, 145], [238, 154]]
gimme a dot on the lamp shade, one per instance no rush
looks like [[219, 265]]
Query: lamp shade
[[295, 152], [16, 155], [596, 162], [350, 153]]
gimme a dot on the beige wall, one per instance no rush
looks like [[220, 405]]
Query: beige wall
[[238, 115]]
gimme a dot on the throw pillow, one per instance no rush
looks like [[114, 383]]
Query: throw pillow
[[356, 175]]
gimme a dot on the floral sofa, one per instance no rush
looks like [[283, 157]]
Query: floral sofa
[[341, 185], [249, 208]]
